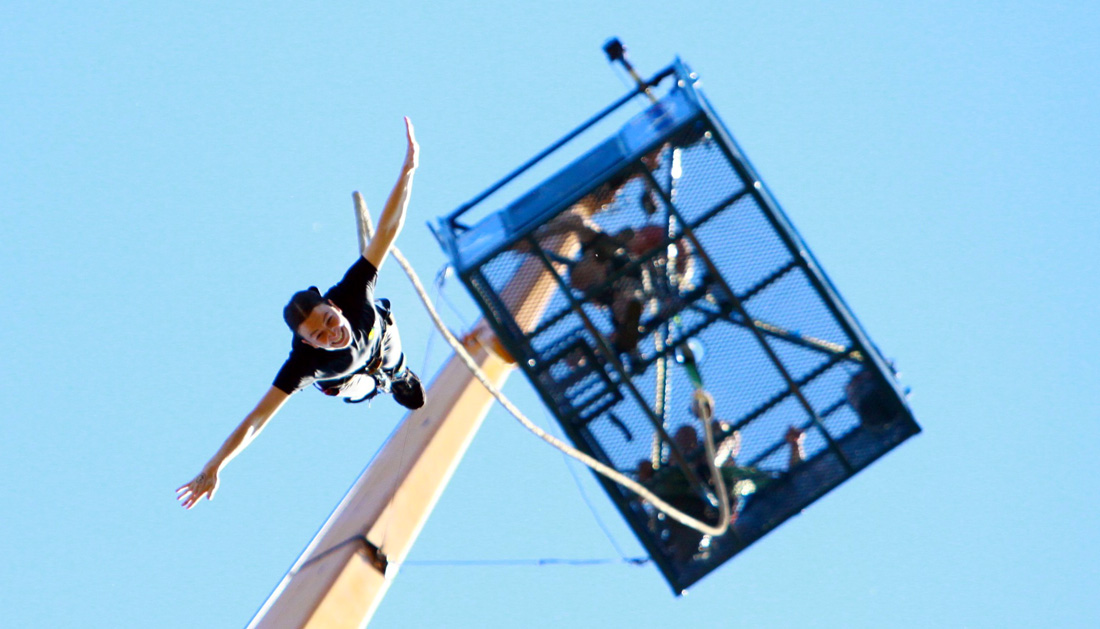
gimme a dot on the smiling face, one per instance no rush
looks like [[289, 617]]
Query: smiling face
[[326, 328]]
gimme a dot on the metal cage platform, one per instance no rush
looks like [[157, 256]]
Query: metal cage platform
[[663, 238]]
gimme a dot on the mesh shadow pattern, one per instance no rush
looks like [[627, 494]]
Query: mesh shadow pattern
[[683, 247]]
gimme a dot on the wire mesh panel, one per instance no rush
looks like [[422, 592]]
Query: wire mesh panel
[[657, 247]]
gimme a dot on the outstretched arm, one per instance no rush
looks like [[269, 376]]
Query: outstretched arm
[[206, 483], [393, 215]]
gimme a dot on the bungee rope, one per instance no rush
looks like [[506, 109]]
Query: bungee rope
[[702, 406]]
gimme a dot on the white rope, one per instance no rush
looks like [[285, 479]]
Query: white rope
[[605, 470], [703, 404]]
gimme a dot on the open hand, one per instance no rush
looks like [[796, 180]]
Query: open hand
[[205, 484]]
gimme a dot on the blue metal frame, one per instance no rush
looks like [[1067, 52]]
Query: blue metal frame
[[470, 247]]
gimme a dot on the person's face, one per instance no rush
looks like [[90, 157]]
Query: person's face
[[326, 328]]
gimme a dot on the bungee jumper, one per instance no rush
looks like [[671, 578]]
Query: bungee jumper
[[345, 342]]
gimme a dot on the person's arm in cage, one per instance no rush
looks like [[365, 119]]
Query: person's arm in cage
[[796, 440]]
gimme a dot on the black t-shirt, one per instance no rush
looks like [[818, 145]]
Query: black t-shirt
[[354, 295]]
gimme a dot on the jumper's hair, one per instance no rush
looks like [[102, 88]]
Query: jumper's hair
[[300, 305]]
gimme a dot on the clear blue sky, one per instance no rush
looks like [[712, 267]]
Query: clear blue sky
[[170, 173]]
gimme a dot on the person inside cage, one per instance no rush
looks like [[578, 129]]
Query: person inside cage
[[608, 263], [740, 480], [873, 400], [610, 271], [672, 485], [344, 341]]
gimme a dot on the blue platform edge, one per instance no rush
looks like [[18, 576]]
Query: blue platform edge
[[469, 248]]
